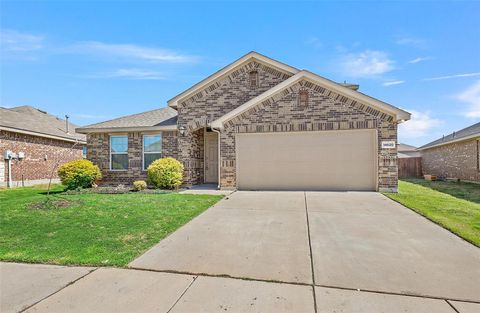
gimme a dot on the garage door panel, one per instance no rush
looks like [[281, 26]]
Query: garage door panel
[[328, 160]]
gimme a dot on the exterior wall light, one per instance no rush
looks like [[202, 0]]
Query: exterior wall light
[[182, 130]]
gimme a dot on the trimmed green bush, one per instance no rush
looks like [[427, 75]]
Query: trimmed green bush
[[166, 173], [79, 174], [139, 185]]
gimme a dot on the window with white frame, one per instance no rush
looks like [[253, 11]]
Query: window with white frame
[[152, 149], [118, 152]]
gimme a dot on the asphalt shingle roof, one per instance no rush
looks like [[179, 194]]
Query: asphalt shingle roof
[[466, 132], [33, 120], [159, 117]]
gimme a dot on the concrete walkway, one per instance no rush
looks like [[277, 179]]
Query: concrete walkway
[[276, 252]]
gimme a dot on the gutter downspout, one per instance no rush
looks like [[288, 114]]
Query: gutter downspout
[[219, 161], [10, 183]]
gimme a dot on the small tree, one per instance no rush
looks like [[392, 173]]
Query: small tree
[[166, 173]]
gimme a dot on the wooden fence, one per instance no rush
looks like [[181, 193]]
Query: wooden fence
[[409, 167]]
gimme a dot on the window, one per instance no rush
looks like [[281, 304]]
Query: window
[[303, 98], [84, 152], [152, 149], [253, 77], [118, 152]]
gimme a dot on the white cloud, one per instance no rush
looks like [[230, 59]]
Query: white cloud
[[419, 125], [419, 59], [393, 82], [369, 63], [131, 51], [130, 73], [454, 76], [412, 42], [314, 42], [11, 40], [471, 96]]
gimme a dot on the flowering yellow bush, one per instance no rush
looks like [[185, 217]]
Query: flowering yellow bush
[[166, 173], [79, 174], [139, 185]]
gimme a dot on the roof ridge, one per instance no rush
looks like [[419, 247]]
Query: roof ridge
[[130, 115]]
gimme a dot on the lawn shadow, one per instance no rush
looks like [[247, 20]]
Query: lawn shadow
[[52, 192], [460, 190]]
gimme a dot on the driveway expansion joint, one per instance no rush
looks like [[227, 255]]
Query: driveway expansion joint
[[52, 294], [451, 305], [311, 254], [183, 293]]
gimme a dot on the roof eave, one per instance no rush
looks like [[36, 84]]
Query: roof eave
[[37, 134], [227, 69], [399, 114], [125, 129], [425, 147]]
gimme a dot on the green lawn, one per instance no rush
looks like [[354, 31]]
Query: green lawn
[[96, 229], [455, 206]]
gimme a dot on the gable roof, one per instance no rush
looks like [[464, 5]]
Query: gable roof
[[251, 56], [159, 119], [403, 147], [29, 120], [469, 132], [400, 115]]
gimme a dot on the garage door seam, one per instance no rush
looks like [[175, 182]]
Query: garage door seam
[[311, 254]]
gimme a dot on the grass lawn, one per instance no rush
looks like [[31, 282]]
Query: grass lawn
[[96, 229], [455, 206]]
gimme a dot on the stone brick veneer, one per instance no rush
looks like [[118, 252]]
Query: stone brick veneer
[[455, 160], [98, 151], [324, 112], [213, 102], [41, 155]]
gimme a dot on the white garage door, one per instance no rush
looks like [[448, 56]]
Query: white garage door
[[325, 160]]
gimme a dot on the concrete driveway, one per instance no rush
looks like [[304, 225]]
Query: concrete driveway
[[289, 252]]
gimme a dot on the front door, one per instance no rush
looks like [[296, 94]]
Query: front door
[[211, 157]]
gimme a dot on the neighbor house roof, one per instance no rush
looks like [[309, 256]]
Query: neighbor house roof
[[251, 56], [407, 151], [461, 135], [32, 121], [159, 119], [399, 114]]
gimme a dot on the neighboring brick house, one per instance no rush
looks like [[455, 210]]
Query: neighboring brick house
[[456, 155], [42, 139], [259, 124]]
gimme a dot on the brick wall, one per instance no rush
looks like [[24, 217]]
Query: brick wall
[[455, 160], [41, 154], [213, 102], [325, 111], [98, 151]]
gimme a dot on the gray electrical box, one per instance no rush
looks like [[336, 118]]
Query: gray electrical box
[[8, 155]]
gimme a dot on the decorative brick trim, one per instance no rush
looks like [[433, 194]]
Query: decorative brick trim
[[231, 77], [318, 89]]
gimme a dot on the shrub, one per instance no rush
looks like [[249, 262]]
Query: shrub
[[79, 174], [139, 185], [166, 173]]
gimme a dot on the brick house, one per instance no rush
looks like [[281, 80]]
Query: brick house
[[38, 142], [456, 155], [259, 124]]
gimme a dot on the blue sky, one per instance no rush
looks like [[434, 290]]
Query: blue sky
[[100, 60]]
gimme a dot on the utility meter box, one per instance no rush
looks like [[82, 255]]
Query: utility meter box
[[8, 155], [21, 155]]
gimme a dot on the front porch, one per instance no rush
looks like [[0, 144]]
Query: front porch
[[199, 152]]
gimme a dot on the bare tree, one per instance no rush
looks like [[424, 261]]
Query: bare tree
[[56, 164]]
